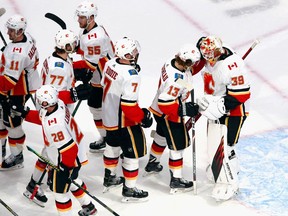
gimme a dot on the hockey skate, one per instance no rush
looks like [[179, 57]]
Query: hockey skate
[[111, 181], [179, 185], [13, 162], [39, 197], [88, 210], [133, 194], [97, 146], [224, 191], [152, 167]]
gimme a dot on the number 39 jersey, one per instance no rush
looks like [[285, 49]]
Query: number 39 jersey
[[229, 76], [64, 137]]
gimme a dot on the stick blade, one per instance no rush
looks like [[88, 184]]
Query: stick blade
[[56, 19], [2, 11]]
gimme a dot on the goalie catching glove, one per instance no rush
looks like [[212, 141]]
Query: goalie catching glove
[[188, 109], [211, 106], [80, 92]]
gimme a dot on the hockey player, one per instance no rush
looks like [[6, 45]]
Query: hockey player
[[64, 148], [124, 119], [18, 78], [96, 48], [227, 89], [169, 108], [57, 70]]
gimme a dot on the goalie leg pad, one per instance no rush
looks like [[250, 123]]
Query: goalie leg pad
[[224, 172]]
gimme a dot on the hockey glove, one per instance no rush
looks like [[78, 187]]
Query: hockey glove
[[64, 173], [211, 106], [137, 67], [20, 111], [188, 109], [83, 74], [80, 92], [147, 120]]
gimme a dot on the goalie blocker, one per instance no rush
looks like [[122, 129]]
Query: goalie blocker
[[222, 168]]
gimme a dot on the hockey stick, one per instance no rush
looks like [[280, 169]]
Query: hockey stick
[[53, 166], [8, 208], [193, 147], [56, 19], [2, 11]]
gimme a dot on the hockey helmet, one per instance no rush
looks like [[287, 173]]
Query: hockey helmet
[[46, 96], [66, 37], [189, 54], [126, 46], [87, 9], [16, 22], [211, 47]]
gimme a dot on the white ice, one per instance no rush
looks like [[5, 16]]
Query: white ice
[[161, 27]]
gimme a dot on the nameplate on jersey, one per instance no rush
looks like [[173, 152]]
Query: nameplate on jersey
[[178, 76], [133, 72], [59, 64]]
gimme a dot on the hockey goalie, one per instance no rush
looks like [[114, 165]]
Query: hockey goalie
[[227, 90]]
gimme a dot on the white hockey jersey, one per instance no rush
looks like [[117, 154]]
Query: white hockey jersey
[[121, 89], [58, 72], [19, 64], [229, 77], [96, 44], [169, 91], [63, 134]]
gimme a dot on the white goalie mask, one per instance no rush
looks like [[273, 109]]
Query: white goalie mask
[[87, 9], [66, 37], [16, 22], [126, 46], [189, 54], [211, 47], [46, 96]]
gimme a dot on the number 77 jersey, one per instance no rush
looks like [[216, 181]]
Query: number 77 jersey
[[229, 77]]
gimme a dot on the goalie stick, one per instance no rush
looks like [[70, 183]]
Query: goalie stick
[[53, 166], [56, 19]]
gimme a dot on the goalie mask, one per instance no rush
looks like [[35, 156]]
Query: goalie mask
[[211, 47], [66, 40], [46, 96], [126, 46], [87, 9]]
